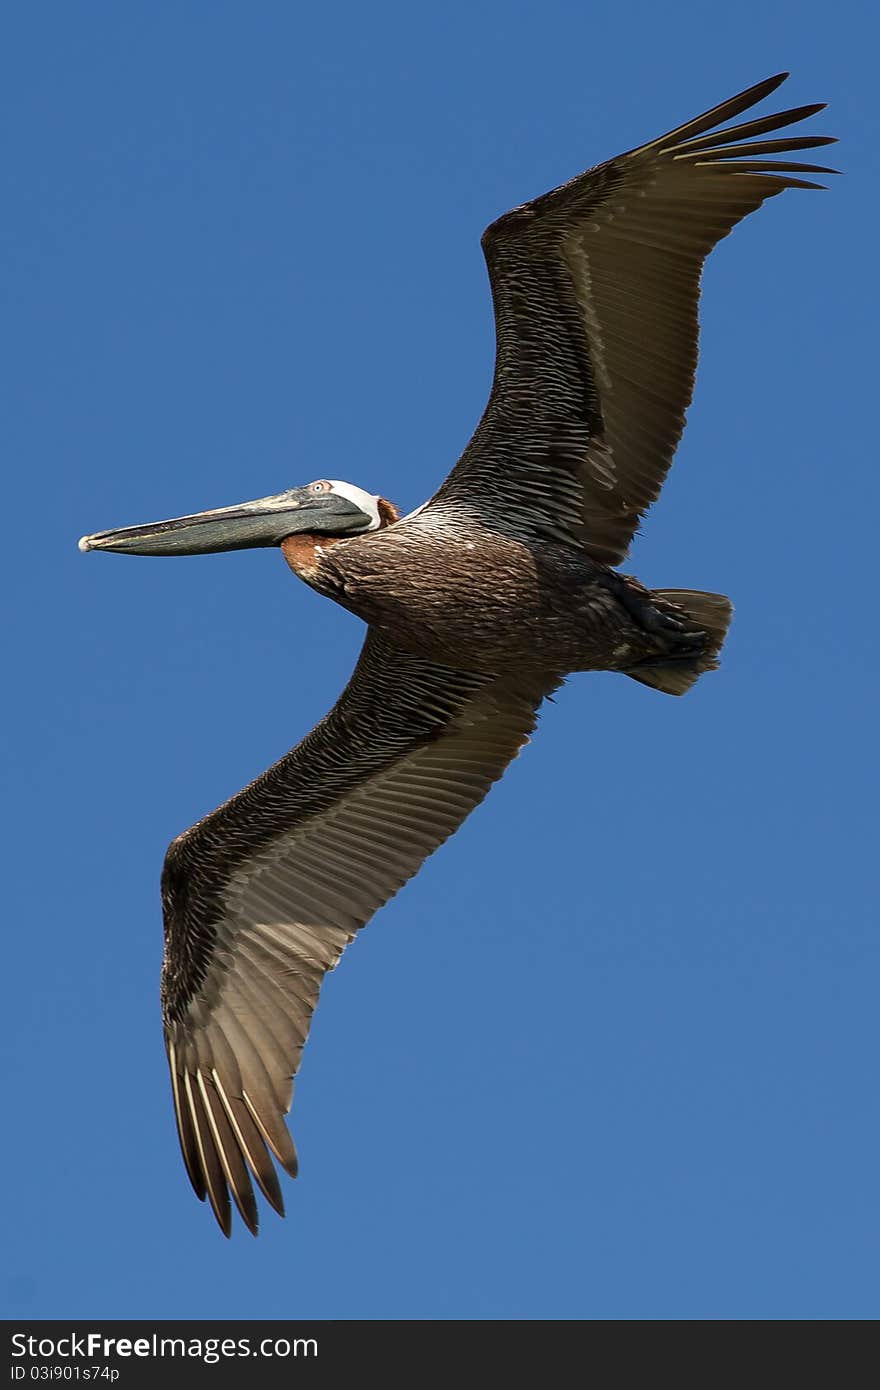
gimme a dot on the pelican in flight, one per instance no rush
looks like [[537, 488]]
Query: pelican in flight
[[477, 605]]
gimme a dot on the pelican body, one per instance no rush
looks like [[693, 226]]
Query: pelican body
[[463, 595], [477, 606]]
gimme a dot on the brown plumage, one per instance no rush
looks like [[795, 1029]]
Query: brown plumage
[[477, 605]]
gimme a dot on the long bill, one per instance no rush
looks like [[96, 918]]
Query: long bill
[[265, 522]]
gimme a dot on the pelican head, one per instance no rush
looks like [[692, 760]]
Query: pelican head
[[326, 507]]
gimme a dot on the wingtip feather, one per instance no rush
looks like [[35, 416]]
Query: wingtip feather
[[185, 1134], [215, 1181]]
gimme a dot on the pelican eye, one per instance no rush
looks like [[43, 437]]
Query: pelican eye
[[320, 487]]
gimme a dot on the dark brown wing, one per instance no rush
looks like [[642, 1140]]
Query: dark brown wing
[[262, 896], [595, 287]]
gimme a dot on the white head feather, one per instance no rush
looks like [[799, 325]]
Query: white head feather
[[365, 500]]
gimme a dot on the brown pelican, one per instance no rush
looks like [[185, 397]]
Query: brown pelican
[[478, 605]]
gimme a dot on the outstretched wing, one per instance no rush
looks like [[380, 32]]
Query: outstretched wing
[[595, 287], [262, 896]]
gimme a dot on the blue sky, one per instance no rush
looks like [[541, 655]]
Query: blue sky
[[613, 1052]]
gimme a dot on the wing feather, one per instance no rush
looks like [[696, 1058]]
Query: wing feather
[[209, 1157], [262, 896], [228, 1151], [252, 1145], [595, 287]]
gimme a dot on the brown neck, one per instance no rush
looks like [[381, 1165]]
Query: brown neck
[[388, 513], [299, 552]]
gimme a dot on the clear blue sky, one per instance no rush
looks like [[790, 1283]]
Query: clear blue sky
[[613, 1052]]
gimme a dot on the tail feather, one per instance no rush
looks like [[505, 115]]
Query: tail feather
[[711, 613]]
